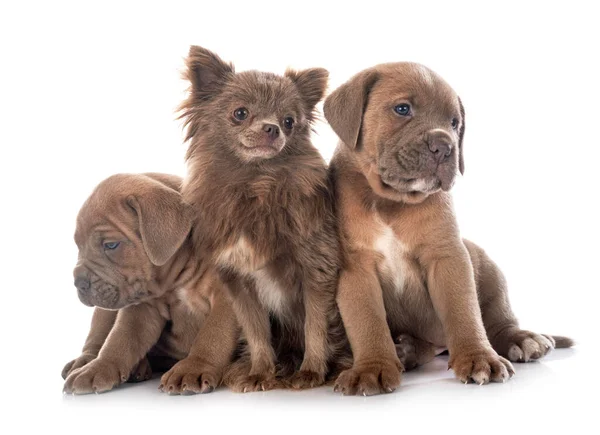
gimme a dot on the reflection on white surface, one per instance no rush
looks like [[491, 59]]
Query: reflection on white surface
[[542, 395]]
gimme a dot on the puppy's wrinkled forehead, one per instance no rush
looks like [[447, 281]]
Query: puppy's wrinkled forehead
[[269, 92], [104, 211], [415, 83]]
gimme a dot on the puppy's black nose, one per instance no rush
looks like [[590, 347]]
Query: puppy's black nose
[[441, 149], [82, 283], [271, 130]]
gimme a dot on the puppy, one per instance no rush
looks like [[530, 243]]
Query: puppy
[[155, 297], [401, 129], [263, 209]]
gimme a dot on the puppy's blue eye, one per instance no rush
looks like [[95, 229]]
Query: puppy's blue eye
[[402, 109], [454, 123], [111, 245]]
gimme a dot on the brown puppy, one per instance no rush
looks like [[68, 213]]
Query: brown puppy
[[401, 129], [262, 206], [155, 297]]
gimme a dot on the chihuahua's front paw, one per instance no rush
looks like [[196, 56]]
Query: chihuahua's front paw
[[304, 379], [255, 382], [481, 366], [191, 375], [77, 363], [368, 379], [95, 377]]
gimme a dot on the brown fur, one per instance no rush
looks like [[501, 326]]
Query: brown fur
[[154, 295], [266, 215], [407, 269]]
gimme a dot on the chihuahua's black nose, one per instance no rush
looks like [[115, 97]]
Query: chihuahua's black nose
[[271, 130], [82, 283]]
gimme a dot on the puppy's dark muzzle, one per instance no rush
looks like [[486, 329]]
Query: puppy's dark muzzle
[[95, 292], [82, 284]]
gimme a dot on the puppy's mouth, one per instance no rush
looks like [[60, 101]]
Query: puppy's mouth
[[102, 295], [263, 149], [412, 186]]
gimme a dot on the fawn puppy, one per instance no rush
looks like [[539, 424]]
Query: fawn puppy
[[407, 271]]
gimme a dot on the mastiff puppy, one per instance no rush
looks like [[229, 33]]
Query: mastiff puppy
[[408, 273], [156, 302]]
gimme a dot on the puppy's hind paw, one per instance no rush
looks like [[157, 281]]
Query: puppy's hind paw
[[519, 345]]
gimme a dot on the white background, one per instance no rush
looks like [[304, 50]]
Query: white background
[[88, 89]]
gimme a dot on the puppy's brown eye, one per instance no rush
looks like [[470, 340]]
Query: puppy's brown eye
[[240, 114], [402, 109], [454, 123], [288, 122]]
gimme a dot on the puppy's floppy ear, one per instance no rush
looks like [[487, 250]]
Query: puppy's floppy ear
[[206, 71], [311, 84], [345, 106], [461, 135], [164, 221]]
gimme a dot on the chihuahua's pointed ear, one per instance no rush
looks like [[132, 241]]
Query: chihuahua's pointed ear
[[164, 221], [206, 71], [344, 107], [311, 83], [461, 135]]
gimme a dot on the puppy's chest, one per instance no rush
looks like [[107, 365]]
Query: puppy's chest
[[397, 268]]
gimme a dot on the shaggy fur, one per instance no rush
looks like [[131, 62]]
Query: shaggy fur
[[260, 190]]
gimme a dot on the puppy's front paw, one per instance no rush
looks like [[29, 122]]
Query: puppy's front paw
[[304, 379], [191, 375], [368, 379], [481, 366], [142, 372], [523, 346], [95, 377], [78, 362]]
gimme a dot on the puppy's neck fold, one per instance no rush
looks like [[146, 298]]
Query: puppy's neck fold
[[184, 267]]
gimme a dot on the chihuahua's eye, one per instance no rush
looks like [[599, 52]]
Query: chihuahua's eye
[[110, 246], [288, 122], [240, 114], [402, 109], [454, 123]]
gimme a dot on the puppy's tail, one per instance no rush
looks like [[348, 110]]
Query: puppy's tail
[[562, 342]]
